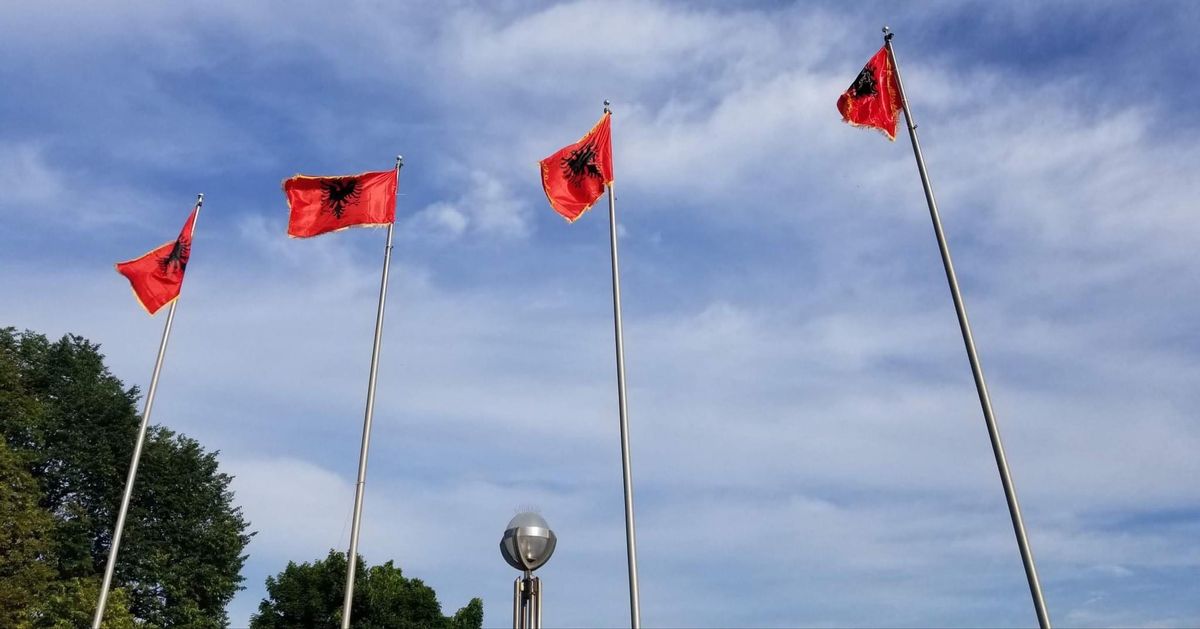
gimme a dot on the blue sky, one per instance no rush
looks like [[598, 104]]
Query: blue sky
[[808, 449]]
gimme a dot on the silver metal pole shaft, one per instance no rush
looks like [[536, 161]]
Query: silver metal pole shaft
[[537, 603], [1010, 492], [352, 556], [525, 604], [517, 603], [137, 455], [635, 614], [109, 567]]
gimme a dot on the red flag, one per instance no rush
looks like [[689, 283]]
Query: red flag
[[574, 177], [873, 100], [325, 204], [157, 276]]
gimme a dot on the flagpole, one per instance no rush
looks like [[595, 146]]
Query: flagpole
[[626, 471], [109, 567], [985, 401], [352, 556]]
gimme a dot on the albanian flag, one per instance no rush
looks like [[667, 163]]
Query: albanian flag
[[157, 276], [575, 176], [873, 100], [326, 204]]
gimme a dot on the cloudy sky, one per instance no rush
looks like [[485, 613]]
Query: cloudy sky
[[807, 445]]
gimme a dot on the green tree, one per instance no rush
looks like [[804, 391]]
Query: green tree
[[25, 570], [70, 604], [31, 596], [310, 595], [469, 617], [72, 425]]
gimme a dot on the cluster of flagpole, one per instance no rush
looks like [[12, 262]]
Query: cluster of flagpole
[[574, 178]]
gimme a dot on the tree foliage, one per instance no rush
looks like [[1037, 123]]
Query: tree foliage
[[70, 604], [69, 428], [24, 540], [310, 595]]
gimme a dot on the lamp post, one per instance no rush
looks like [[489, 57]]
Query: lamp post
[[527, 544]]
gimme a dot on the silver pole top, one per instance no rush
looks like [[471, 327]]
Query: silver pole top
[[200, 199], [399, 161], [607, 109], [887, 33]]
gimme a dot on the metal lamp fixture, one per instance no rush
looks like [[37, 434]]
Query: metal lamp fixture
[[527, 545], [528, 542]]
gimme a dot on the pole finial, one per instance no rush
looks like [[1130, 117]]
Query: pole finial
[[199, 198], [887, 33], [399, 161], [607, 110]]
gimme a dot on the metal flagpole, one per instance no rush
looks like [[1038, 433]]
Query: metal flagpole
[[1010, 492], [352, 556], [102, 603], [635, 613]]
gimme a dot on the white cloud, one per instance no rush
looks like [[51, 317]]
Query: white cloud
[[485, 209], [25, 174], [439, 220], [40, 192]]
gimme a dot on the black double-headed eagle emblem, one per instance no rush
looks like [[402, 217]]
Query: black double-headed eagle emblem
[[337, 193], [581, 163]]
